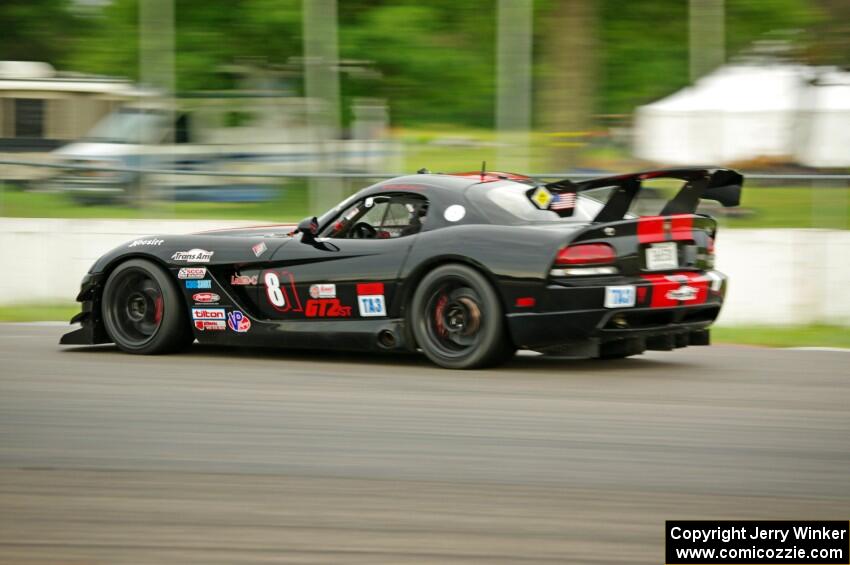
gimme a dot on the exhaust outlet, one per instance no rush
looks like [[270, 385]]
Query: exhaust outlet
[[386, 339]]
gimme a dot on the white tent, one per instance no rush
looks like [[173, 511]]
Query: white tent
[[823, 134], [736, 113]]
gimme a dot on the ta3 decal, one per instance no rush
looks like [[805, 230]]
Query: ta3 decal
[[370, 299]]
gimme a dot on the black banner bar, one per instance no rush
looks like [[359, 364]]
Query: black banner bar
[[768, 542]]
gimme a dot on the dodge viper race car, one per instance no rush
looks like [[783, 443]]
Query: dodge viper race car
[[465, 267]]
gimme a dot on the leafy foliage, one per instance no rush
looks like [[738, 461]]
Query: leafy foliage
[[433, 61]]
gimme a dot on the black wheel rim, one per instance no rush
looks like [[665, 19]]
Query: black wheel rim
[[454, 318], [135, 307]]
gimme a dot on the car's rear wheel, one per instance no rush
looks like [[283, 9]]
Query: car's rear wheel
[[457, 319], [143, 311]]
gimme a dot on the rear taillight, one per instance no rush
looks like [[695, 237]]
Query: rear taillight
[[586, 254], [585, 259]]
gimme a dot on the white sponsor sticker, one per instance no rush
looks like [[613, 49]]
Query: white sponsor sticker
[[193, 256], [662, 256], [323, 291], [454, 213], [208, 314], [620, 296], [259, 249], [192, 273], [206, 297], [371, 305], [139, 242], [684, 292]]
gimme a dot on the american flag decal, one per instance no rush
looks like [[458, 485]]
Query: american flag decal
[[563, 201]]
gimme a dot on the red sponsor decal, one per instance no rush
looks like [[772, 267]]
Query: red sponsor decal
[[326, 308], [680, 289], [243, 280], [210, 325], [654, 229], [370, 288], [206, 297]]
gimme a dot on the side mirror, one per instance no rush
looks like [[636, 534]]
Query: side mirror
[[308, 228]]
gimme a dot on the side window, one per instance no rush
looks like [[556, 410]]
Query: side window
[[380, 217]]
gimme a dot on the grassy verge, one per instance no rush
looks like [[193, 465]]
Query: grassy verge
[[290, 204], [39, 312], [783, 336], [770, 336]]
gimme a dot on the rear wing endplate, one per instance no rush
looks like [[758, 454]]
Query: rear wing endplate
[[721, 185]]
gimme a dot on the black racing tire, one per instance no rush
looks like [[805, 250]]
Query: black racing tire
[[143, 311], [457, 319]]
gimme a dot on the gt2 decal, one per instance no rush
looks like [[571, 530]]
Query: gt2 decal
[[277, 293], [326, 308]]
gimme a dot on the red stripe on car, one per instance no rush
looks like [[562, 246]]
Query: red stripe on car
[[665, 287], [650, 229], [364, 289], [682, 227]]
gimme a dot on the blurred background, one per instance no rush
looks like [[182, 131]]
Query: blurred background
[[179, 114]]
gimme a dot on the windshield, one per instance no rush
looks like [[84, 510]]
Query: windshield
[[508, 203], [129, 125]]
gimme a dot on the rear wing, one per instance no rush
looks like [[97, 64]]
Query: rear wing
[[721, 185]]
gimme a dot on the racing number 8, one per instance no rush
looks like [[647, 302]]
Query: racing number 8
[[273, 292]]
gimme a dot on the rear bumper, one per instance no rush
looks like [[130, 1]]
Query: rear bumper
[[574, 316]]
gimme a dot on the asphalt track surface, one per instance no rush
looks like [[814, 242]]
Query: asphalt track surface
[[227, 456]]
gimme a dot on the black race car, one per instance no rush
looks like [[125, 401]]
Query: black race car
[[465, 267]]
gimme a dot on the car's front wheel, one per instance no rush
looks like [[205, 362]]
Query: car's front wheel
[[143, 311], [457, 319]]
